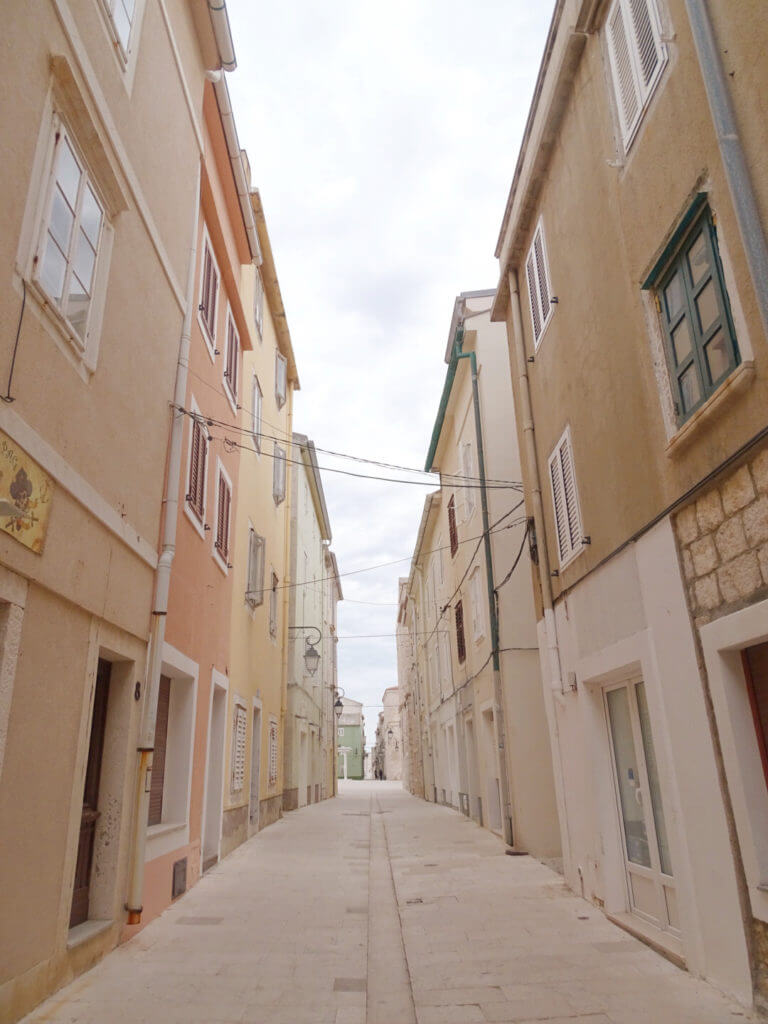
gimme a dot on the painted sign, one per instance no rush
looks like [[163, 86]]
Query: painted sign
[[26, 493]]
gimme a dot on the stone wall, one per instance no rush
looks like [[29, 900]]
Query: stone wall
[[270, 810], [723, 538]]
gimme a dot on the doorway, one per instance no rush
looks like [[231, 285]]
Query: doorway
[[253, 806], [214, 785], [651, 885], [90, 810], [492, 789]]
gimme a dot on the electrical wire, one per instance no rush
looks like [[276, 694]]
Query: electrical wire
[[497, 588], [456, 478], [8, 397]]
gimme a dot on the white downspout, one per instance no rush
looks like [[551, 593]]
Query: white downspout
[[162, 585]]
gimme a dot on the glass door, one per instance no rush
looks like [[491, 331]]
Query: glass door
[[650, 882]]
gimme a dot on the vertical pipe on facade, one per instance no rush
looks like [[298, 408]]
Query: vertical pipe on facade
[[731, 151], [525, 413], [162, 587], [498, 695]]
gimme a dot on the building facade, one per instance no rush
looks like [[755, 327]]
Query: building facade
[[387, 754], [633, 285], [309, 722], [469, 608], [350, 740], [100, 205]]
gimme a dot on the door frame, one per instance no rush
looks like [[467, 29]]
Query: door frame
[[257, 714], [218, 682]]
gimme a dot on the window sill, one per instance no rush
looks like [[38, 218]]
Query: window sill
[[68, 342], [165, 828], [82, 933], [220, 561], [731, 388], [210, 342]]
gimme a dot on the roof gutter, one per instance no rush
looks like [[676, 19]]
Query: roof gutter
[[217, 11], [238, 169]]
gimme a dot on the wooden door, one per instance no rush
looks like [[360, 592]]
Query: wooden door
[[90, 812]]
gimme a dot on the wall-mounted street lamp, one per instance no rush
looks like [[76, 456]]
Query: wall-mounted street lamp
[[338, 705], [311, 653]]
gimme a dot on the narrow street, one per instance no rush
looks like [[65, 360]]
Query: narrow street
[[377, 907]]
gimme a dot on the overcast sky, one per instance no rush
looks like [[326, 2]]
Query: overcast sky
[[383, 139]]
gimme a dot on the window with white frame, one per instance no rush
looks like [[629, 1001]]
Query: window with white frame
[[476, 594], [273, 605], [223, 512], [239, 723], [278, 474], [258, 303], [637, 59], [66, 260], [281, 379], [121, 15], [254, 593], [233, 359], [468, 472], [565, 500], [273, 751], [196, 476], [209, 292], [539, 285], [256, 402]]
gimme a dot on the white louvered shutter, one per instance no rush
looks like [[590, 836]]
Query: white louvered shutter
[[255, 592], [272, 753], [565, 500], [238, 748], [539, 286], [637, 57]]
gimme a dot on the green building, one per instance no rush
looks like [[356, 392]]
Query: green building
[[350, 741]]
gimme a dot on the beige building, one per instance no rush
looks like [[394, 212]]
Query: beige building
[[259, 628], [412, 713], [311, 646], [101, 116], [634, 287], [387, 754], [473, 665]]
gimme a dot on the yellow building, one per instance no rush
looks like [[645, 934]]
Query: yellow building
[[253, 779]]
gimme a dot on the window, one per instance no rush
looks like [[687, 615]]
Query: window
[[198, 457], [637, 58], [565, 500], [452, 534], [461, 647], [272, 752], [223, 507], [539, 287], [65, 264], [256, 400], [699, 338], [258, 303], [238, 748], [121, 15], [281, 377], [157, 778], [254, 593], [209, 290], [278, 475], [233, 359], [273, 606], [468, 472], [476, 592]]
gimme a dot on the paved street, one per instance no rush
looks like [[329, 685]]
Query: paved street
[[379, 908]]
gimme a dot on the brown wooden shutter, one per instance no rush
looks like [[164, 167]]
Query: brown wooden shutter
[[453, 535], [461, 646], [155, 815], [232, 360], [755, 662], [194, 469]]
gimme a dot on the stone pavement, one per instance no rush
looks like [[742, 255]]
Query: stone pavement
[[377, 908]]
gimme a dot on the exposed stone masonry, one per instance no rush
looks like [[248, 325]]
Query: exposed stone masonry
[[723, 537]]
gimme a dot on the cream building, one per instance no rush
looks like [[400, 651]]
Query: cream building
[[309, 721], [634, 288], [259, 629], [100, 115], [469, 607], [389, 734], [412, 715]]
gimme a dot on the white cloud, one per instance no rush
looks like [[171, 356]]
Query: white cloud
[[383, 140]]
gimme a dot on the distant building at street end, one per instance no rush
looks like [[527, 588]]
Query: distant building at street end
[[350, 740], [387, 755]]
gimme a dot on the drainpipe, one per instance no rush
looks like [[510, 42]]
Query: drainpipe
[[498, 697], [162, 585], [217, 11], [525, 414], [731, 151]]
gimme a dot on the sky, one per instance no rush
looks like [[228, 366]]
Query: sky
[[383, 139]]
